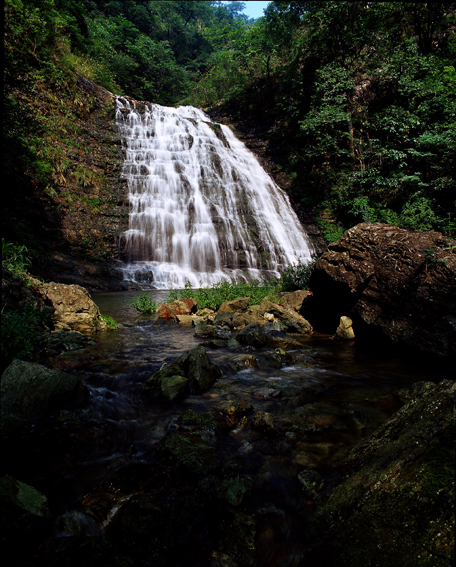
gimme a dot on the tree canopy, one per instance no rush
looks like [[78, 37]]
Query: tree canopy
[[358, 98]]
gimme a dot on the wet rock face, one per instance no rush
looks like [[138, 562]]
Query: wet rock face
[[393, 281], [30, 391], [396, 503]]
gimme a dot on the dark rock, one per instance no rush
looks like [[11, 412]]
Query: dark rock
[[396, 504], [311, 482], [203, 330], [225, 318], [31, 391], [235, 411], [252, 335], [237, 545], [25, 519], [395, 282], [202, 373], [64, 341], [242, 362], [193, 372], [280, 340], [191, 445], [263, 421]]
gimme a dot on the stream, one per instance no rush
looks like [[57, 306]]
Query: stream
[[328, 397]]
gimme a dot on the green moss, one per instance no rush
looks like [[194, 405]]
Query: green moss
[[439, 466]]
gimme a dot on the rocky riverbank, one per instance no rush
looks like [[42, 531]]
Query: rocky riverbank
[[197, 490]]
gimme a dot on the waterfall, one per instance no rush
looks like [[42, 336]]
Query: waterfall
[[202, 209]]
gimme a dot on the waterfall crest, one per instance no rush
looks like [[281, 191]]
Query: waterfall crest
[[202, 209]]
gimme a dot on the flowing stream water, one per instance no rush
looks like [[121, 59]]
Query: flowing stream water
[[328, 397], [203, 210]]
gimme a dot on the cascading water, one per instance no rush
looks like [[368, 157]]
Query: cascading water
[[202, 208]]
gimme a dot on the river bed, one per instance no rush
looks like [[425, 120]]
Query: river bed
[[328, 397]]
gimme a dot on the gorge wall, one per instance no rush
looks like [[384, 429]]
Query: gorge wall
[[88, 208]]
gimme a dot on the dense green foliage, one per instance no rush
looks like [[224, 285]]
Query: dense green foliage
[[21, 333], [360, 102], [144, 304], [358, 99], [295, 277]]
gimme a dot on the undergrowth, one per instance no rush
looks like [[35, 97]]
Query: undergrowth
[[295, 276]]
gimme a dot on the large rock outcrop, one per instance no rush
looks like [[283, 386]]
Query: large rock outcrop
[[73, 308], [395, 504], [394, 281]]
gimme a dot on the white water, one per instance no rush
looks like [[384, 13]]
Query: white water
[[202, 209]]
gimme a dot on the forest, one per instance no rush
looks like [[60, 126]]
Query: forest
[[357, 99]]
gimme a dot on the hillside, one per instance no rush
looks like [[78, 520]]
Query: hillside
[[350, 106]]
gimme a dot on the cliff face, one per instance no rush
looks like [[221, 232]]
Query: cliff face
[[86, 210], [392, 281]]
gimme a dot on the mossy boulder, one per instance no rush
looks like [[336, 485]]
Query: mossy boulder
[[190, 445], [25, 518], [193, 372], [30, 391]]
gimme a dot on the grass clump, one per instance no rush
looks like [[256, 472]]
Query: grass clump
[[109, 321], [144, 304], [15, 258], [212, 297]]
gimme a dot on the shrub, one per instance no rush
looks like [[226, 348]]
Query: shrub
[[296, 277], [21, 333], [14, 257], [144, 304], [212, 297], [110, 322]]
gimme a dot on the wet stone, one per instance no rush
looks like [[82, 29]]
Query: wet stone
[[243, 362], [311, 482]]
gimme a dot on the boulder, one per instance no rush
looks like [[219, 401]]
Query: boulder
[[295, 299], [193, 372], [30, 391], [252, 335], [393, 282], [183, 306], [295, 323], [239, 304], [395, 504], [164, 312], [345, 331], [292, 321], [242, 319], [74, 309]]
